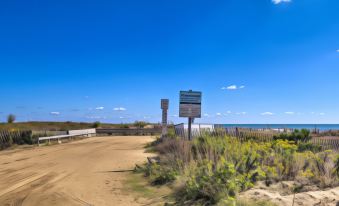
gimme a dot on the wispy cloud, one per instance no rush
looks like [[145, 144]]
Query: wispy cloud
[[290, 113], [218, 114], [206, 115], [338, 50], [316, 113], [233, 87], [95, 117], [280, 1], [119, 109], [100, 108], [241, 113], [267, 113], [54, 113]]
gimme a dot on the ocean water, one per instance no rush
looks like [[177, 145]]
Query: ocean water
[[321, 127]]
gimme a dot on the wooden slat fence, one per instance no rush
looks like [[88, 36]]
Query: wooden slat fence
[[243, 134], [327, 143], [7, 138]]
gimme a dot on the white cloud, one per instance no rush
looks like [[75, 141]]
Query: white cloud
[[281, 1], [290, 113], [228, 112], [241, 113], [174, 115], [55, 113], [233, 87], [338, 50], [100, 108], [119, 109], [218, 114], [315, 113], [206, 115], [267, 114]]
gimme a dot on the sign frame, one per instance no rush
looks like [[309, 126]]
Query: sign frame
[[190, 104]]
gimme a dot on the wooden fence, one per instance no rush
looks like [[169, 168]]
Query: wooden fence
[[7, 138], [326, 143], [242, 133]]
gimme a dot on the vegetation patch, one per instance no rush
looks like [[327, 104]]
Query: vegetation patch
[[214, 170], [137, 184]]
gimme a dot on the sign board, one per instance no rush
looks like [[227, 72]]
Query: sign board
[[190, 104], [164, 104]]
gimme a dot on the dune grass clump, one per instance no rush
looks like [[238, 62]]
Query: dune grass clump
[[213, 170]]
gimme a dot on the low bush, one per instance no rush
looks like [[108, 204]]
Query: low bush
[[307, 146], [216, 169], [296, 136], [96, 124], [159, 175]]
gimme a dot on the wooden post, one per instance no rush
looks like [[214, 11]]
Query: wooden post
[[189, 128], [164, 107]]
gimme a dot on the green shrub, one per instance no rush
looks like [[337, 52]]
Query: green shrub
[[307, 146], [96, 124], [336, 167], [214, 169], [11, 118], [140, 124], [159, 175], [296, 136], [212, 184]]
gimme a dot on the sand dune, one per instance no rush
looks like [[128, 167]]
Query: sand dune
[[314, 198]]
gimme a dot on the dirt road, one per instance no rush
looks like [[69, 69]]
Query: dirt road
[[86, 172]]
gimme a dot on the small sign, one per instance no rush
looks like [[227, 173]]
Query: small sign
[[164, 107], [164, 104], [190, 104]]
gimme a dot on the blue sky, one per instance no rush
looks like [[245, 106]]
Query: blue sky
[[256, 61]]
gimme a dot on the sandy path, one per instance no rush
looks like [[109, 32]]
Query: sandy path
[[86, 172]]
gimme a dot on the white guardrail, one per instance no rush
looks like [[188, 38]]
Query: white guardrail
[[71, 133]]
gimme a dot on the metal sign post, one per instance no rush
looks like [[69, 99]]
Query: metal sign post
[[164, 107], [190, 106]]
